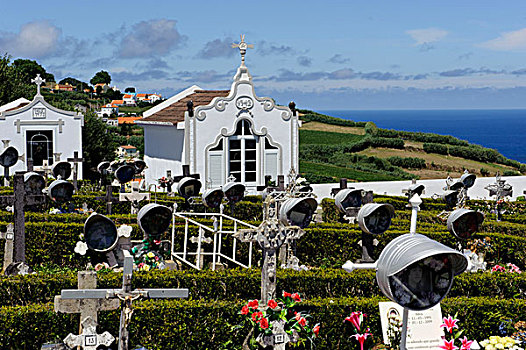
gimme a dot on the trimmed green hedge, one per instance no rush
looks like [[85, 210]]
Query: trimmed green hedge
[[192, 324]]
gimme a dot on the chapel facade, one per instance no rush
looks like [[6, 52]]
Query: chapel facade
[[222, 134], [42, 133]]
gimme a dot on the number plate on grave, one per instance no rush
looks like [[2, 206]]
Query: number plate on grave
[[90, 340], [279, 338]]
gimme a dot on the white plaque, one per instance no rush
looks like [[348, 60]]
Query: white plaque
[[39, 113], [423, 327]]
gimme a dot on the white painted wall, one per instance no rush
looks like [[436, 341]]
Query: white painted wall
[[163, 150]]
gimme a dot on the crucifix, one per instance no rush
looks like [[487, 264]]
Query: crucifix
[[9, 236], [76, 159], [500, 189], [134, 197], [242, 46], [170, 181], [89, 307], [45, 168], [109, 198], [38, 81], [89, 339], [19, 200], [126, 295]]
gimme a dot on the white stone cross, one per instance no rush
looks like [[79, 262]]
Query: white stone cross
[[38, 80], [86, 307], [134, 197], [57, 156], [9, 237], [88, 339], [45, 167], [242, 46]]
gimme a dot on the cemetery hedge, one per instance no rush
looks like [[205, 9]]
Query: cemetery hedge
[[234, 284], [198, 324]]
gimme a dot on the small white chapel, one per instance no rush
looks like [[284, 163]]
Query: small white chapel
[[221, 134], [40, 132]]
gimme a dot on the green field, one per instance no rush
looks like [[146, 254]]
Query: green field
[[343, 172], [309, 137]]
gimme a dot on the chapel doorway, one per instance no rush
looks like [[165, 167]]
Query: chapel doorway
[[39, 145]]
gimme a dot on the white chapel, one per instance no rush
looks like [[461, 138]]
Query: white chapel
[[40, 132], [221, 134]]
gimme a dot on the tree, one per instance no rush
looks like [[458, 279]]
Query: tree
[[130, 89], [98, 144], [79, 85], [12, 86], [29, 70], [101, 77]]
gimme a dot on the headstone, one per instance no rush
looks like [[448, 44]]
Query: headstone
[[89, 339], [423, 327], [76, 159]]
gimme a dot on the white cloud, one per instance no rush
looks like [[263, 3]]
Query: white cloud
[[507, 41], [426, 36], [35, 40]]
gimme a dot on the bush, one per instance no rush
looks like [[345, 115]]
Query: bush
[[408, 162]]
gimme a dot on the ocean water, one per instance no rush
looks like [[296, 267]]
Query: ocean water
[[503, 130]]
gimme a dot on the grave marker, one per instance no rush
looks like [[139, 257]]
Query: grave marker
[[134, 197], [76, 159], [9, 236], [89, 339], [109, 199]]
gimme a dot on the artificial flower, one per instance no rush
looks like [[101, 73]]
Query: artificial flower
[[355, 319], [448, 345], [316, 329], [256, 316], [286, 295], [296, 297], [449, 323], [244, 310], [253, 304], [466, 344], [81, 248], [272, 304], [263, 323], [302, 321], [150, 255], [361, 338]]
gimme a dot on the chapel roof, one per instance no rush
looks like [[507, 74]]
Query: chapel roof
[[175, 112]]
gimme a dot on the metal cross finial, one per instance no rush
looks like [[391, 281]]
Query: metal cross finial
[[38, 80], [242, 46]]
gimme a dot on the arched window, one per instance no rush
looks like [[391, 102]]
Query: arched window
[[242, 154], [40, 146]]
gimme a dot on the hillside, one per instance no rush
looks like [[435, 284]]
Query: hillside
[[331, 148]]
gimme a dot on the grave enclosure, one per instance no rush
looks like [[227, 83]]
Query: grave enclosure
[[228, 248]]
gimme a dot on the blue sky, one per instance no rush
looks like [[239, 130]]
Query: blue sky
[[322, 55]]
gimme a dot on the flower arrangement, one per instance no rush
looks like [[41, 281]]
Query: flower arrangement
[[449, 323], [510, 268], [502, 343], [520, 332], [163, 182], [394, 331], [356, 320], [148, 255], [278, 315]]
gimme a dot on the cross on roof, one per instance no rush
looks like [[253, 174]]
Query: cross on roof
[[38, 80], [242, 46]]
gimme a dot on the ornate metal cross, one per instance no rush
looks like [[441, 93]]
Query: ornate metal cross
[[242, 46], [38, 81], [134, 197]]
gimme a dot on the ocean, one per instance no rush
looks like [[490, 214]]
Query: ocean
[[503, 130]]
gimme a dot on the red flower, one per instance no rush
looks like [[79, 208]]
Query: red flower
[[256, 316], [286, 295], [316, 329], [244, 310], [449, 323], [297, 317], [448, 345], [253, 304], [355, 319], [272, 304], [263, 323], [361, 338], [296, 297], [302, 321]]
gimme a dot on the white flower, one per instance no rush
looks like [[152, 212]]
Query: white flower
[[54, 211], [124, 231], [81, 248], [499, 346], [300, 180]]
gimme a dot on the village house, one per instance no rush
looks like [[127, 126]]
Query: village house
[[127, 151], [129, 99]]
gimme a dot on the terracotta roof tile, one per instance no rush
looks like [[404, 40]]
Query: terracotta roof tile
[[175, 112]]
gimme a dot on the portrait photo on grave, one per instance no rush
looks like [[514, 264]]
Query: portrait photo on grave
[[422, 284]]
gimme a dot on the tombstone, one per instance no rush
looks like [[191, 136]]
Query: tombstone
[[134, 197], [89, 339], [19, 200], [9, 236], [127, 295], [75, 160], [109, 199], [86, 308]]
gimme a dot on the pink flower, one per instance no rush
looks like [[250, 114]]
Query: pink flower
[[355, 319], [466, 344], [361, 338], [449, 323], [448, 345]]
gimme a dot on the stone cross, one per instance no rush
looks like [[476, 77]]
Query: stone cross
[[343, 186], [9, 236], [76, 159], [89, 339], [271, 234], [38, 81], [109, 198], [46, 168], [19, 200], [242, 46], [126, 295], [500, 189], [134, 197], [186, 173], [86, 307]]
